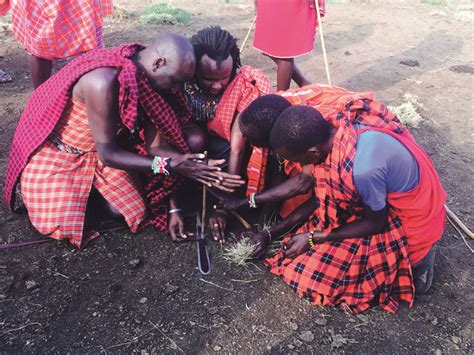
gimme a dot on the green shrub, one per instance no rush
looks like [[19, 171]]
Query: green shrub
[[164, 14]]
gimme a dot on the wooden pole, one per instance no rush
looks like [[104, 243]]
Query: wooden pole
[[204, 203], [242, 47], [458, 222], [323, 45]]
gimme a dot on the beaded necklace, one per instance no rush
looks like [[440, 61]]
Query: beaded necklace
[[202, 106]]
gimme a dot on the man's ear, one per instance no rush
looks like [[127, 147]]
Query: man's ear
[[158, 63]]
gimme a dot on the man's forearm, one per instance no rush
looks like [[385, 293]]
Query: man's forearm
[[375, 223], [119, 158], [235, 162], [299, 216], [296, 185]]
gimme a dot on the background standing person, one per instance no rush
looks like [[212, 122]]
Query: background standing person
[[284, 30], [57, 29]]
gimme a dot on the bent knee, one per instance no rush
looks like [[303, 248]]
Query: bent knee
[[195, 139]]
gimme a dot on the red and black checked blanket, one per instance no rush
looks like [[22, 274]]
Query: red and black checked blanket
[[354, 274], [248, 85], [57, 28], [47, 103], [56, 182]]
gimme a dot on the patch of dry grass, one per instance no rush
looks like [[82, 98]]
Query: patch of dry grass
[[407, 111], [240, 252]]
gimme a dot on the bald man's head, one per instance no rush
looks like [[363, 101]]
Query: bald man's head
[[168, 61]]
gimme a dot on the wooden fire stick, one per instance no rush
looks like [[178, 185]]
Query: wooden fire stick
[[204, 203]]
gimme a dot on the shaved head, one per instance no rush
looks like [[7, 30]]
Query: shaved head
[[168, 61], [173, 46]]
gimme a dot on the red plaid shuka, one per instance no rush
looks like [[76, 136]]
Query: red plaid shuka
[[48, 102], [354, 273], [58, 178], [328, 100], [4, 7], [248, 85], [59, 28]]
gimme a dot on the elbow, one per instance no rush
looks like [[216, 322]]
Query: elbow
[[107, 159], [303, 184], [380, 222]]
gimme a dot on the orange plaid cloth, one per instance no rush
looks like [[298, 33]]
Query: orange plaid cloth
[[249, 84], [329, 100], [354, 273], [56, 182], [59, 28]]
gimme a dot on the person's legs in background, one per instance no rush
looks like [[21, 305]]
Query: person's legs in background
[[40, 69], [287, 70]]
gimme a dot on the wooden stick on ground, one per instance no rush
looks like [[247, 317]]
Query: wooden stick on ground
[[241, 219], [323, 45], [242, 47], [458, 222], [204, 203]]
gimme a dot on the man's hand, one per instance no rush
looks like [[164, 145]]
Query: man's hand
[[218, 224], [261, 241], [227, 182], [297, 245], [176, 226], [193, 167]]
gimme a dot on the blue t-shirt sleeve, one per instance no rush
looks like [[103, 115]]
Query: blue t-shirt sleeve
[[370, 185], [382, 165]]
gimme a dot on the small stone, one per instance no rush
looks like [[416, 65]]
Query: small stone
[[217, 348], [269, 347], [170, 289], [410, 62], [143, 300], [293, 326], [297, 343], [347, 53], [321, 321], [31, 285], [134, 263], [435, 321], [363, 318], [95, 314], [468, 69], [456, 340], [290, 346], [352, 320], [306, 336], [438, 352], [121, 324]]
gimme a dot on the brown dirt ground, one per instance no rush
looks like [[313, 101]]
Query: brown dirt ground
[[96, 300]]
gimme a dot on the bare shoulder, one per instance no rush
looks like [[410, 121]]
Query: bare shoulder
[[96, 82]]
